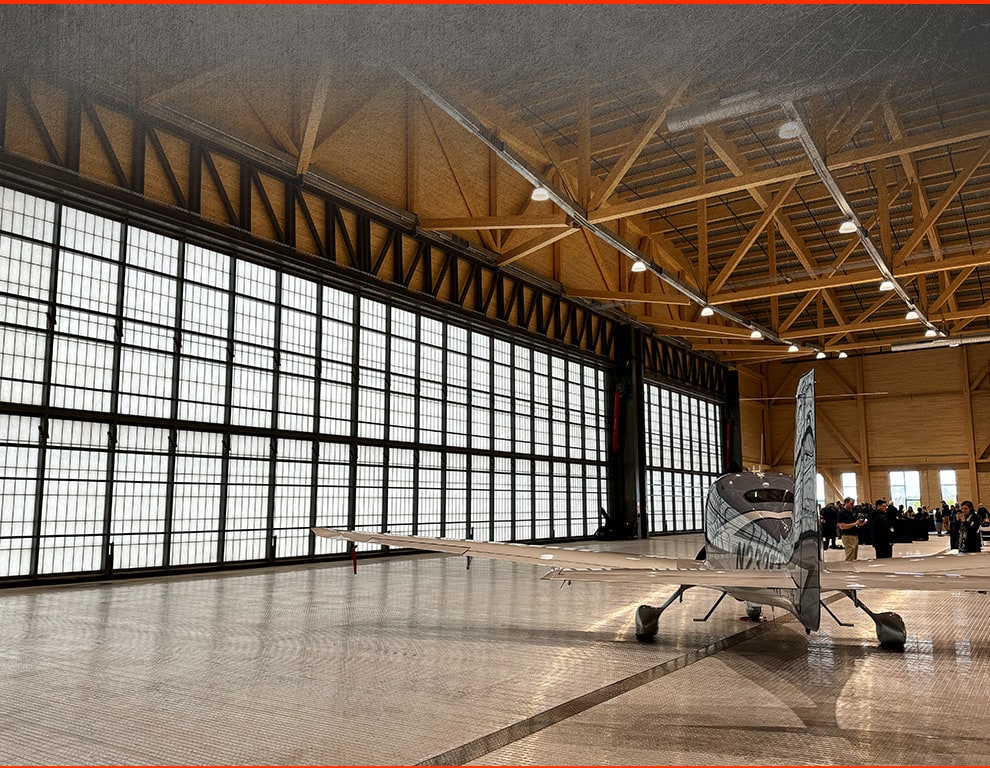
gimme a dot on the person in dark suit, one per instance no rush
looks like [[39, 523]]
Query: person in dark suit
[[883, 531], [969, 528], [830, 518]]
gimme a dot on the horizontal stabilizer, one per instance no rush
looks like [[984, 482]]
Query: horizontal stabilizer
[[699, 577]]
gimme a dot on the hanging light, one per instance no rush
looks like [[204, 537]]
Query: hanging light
[[539, 194], [794, 348], [638, 266], [847, 227], [820, 356], [707, 311], [789, 130], [756, 334], [911, 315], [931, 333], [843, 355], [886, 285]]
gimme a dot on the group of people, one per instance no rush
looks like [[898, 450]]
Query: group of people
[[882, 524]]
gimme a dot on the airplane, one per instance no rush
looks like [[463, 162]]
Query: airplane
[[762, 547]]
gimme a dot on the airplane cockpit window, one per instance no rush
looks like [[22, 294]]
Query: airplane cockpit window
[[769, 495]]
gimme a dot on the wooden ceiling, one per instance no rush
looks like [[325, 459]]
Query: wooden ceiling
[[655, 127]]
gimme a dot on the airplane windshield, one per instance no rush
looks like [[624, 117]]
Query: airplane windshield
[[772, 495]]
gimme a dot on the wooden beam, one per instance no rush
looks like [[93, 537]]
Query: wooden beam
[[538, 242], [640, 297], [778, 175], [313, 120], [455, 224]]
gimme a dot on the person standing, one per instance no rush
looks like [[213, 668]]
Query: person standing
[[969, 528], [830, 516], [849, 524], [883, 532]]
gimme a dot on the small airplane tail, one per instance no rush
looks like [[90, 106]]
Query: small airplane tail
[[805, 563]]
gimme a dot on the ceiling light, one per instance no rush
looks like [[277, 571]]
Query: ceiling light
[[794, 348], [886, 285], [843, 355], [911, 315], [707, 311], [756, 335], [847, 227], [638, 266], [820, 356], [789, 130], [953, 343], [539, 194], [931, 333]]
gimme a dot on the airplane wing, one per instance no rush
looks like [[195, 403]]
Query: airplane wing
[[582, 564], [935, 573]]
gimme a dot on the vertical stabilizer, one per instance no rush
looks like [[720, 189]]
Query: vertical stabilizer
[[805, 565]]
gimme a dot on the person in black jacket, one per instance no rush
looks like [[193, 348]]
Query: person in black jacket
[[969, 528], [830, 519], [883, 531]]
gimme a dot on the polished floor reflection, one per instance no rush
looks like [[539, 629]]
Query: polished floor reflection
[[418, 659]]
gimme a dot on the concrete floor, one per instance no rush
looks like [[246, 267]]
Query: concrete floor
[[418, 660]]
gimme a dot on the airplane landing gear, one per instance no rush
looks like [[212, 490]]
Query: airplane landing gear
[[648, 617], [891, 631]]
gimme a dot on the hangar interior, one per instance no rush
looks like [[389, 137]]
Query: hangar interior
[[472, 272]]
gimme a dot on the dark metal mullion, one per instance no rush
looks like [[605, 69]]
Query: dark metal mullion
[[387, 427], [46, 395], [314, 478], [173, 432], [118, 340], [270, 541], [227, 409], [355, 396]]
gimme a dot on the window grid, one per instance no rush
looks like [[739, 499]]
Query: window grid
[[683, 457], [310, 398]]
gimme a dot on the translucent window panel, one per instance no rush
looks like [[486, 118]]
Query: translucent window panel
[[403, 357], [847, 480], [561, 507], [558, 407], [255, 280], [481, 417], [430, 494], [402, 417], [73, 514], [820, 488], [295, 401], [22, 365], [523, 527], [947, 485], [18, 472], [456, 496], [480, 501], [299, 293], [372, 315], [206, 267], [140, 484], [27, 215], [403, 324], [152, 251], [502, 422], [82, 374], [502, 369], [401, 491], [431, 331], [502, 499], [332, 493], [89, 233], [431, 366], [338, 305], [431, 414], [251, 388], [25, 270], [254, 322], [205, 310], [338, 345], [369, 496], [371, 411], [202, 386], [335, 408], [196, 499], [371, 351], [87, 283], [247, 498], [145, 383], [149, 297], [293, 494], [298, 332], [541, 429], [578, 502]]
